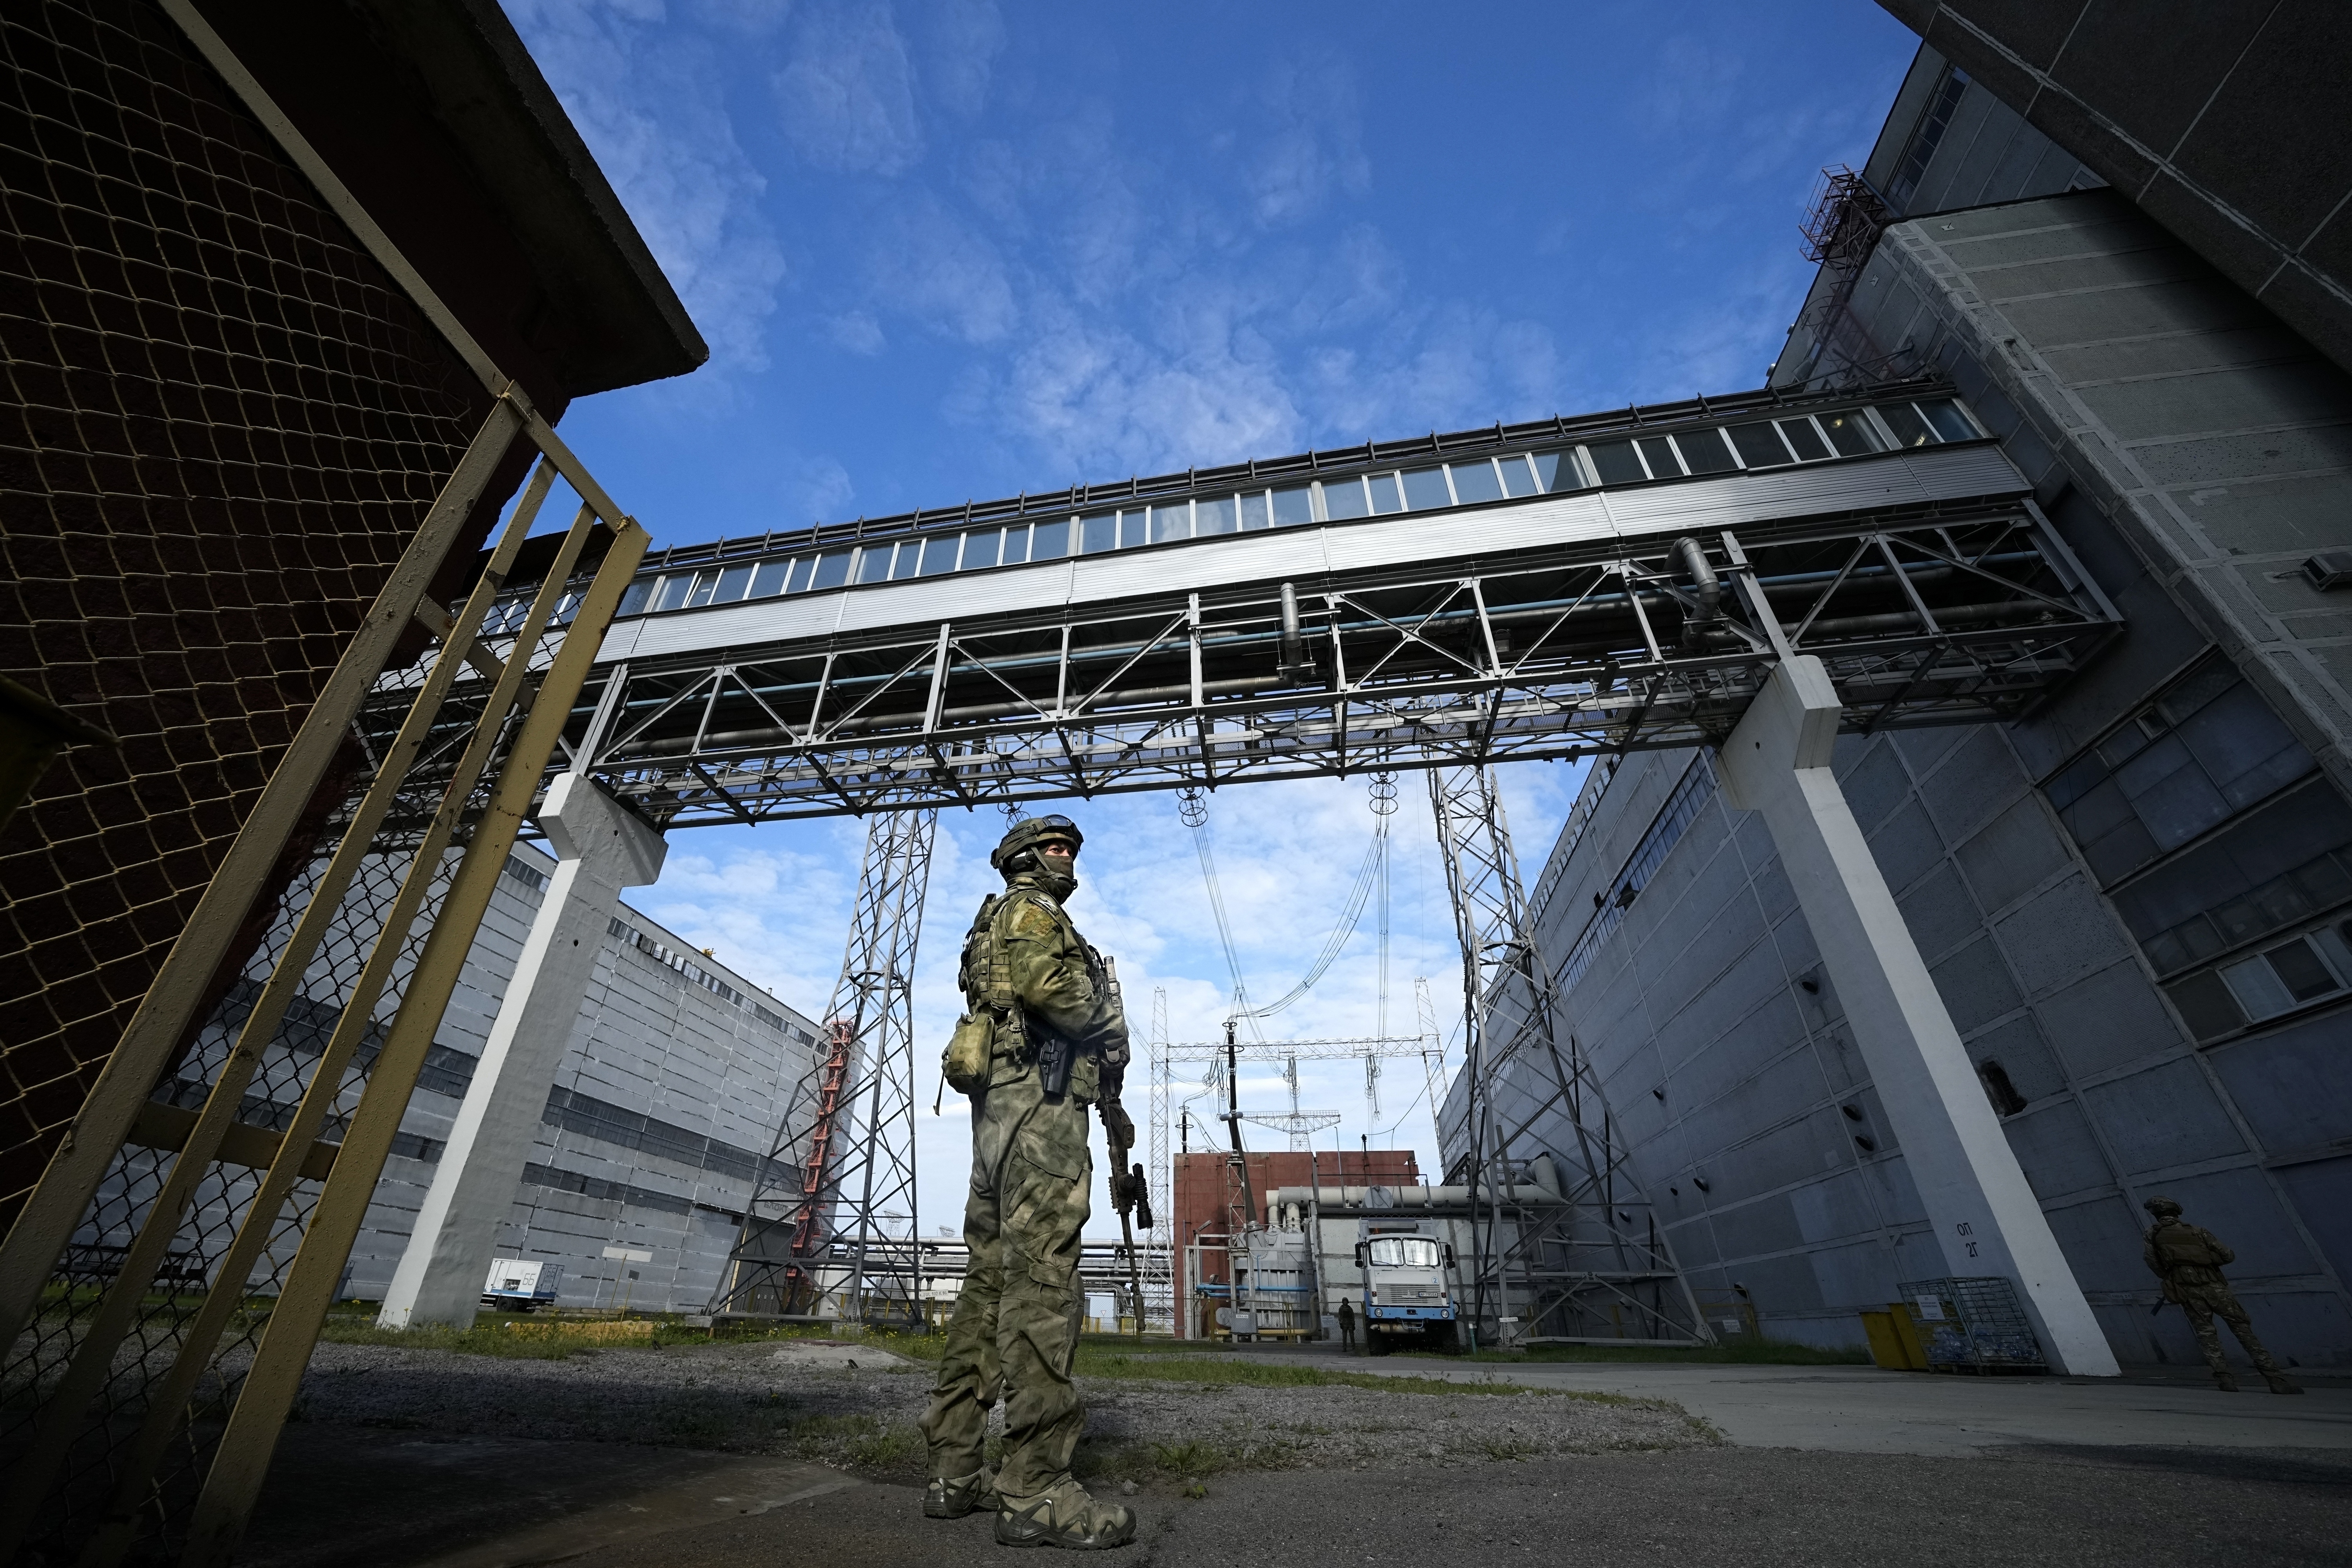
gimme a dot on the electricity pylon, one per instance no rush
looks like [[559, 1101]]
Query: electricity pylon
[[838, 1183], [1586, 1262]]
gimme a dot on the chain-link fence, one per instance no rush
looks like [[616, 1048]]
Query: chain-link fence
[[222, 421], [136, 1406], [247, 448], [129, 1372]]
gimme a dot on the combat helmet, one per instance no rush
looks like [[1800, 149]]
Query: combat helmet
[[1017, 851], [2162, 1208]]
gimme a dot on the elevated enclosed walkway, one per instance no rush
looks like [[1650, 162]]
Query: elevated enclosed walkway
[[1615, 582]]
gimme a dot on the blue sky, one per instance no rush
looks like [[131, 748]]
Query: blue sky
[[958, 251]]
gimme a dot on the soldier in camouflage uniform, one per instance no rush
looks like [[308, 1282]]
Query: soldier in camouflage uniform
[[1038, 996], [2188, 1260]]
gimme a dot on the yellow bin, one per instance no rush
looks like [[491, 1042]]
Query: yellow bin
[[1894, 1338]]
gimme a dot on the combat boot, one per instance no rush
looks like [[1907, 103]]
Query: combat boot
[[2281, 1383], [2225, 1382], [1068, 1517], [952, 1498]]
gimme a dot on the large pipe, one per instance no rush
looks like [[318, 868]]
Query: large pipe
[[1294, 652], [1403, 1196], [1698, 627]]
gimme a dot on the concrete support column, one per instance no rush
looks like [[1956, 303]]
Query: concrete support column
[[600, 849], [1986, 1219]]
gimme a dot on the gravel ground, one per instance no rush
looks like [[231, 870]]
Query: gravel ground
[[853, 1407]]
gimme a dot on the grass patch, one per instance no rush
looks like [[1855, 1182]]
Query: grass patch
[[585, 1331], [1101, 1361], [1768, 1352], [487, 1338], [1187, 1460], [535, 1336], [1508, 1448]]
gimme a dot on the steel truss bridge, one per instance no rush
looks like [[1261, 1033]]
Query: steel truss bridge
[[1602, 618], [1926, 581]]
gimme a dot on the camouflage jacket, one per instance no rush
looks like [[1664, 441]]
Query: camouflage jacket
[[1041, 974], [2187, 1257]]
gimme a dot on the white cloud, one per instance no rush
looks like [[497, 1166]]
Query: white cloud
[[752, 18], [847, 96], [858, 331], [1096, 401], [926, 262], [814, 490], [961, 40], [1311, 150], [644, 100]]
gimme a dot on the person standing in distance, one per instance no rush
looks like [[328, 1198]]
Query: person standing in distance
[[2188, 1259], [1042, 1039]]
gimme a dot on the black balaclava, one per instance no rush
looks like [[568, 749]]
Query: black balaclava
[[1059, 883]]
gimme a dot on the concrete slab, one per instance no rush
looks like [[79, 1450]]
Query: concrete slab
[[363, 1497], [829, 1353], [1866, 1410]]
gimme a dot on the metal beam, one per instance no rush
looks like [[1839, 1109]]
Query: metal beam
[[1942, 613]]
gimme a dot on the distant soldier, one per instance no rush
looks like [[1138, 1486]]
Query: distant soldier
[[1347, 1325], [2188, 1260], [1042, 1039]]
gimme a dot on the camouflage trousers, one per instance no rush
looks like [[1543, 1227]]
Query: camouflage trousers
[[1017, 1321], [2203, 1307]]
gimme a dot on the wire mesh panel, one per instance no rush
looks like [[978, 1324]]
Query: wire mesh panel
[[198, 1261], [249, 442], [221, 421], [136, 1360], [1973, 1324]]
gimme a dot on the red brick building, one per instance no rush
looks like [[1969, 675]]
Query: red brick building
[[1208, 1197]]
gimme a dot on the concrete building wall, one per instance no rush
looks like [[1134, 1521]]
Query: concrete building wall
[[2135, 902], [1949, 142], [2226, 122], [2129, 378], [666, 1105]]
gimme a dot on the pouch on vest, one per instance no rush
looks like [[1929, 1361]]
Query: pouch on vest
[[2180, 1246], [964, 1064]]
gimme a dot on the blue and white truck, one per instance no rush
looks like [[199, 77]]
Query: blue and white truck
[[521, 1286], [1408, 1299]]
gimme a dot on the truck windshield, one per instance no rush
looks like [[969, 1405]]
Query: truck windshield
[[1405, 1252]]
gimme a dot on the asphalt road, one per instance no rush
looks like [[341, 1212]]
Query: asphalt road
[[359, 1498]]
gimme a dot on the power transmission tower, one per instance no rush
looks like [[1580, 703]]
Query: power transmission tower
[[832, 1208], [1433, 1060], [1588, 1260]]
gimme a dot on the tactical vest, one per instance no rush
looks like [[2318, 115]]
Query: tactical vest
[[2179, 1246], [991, 1008], [984, 975], [994, 1024]]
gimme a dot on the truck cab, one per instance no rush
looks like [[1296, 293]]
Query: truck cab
[[1406, 1301]]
